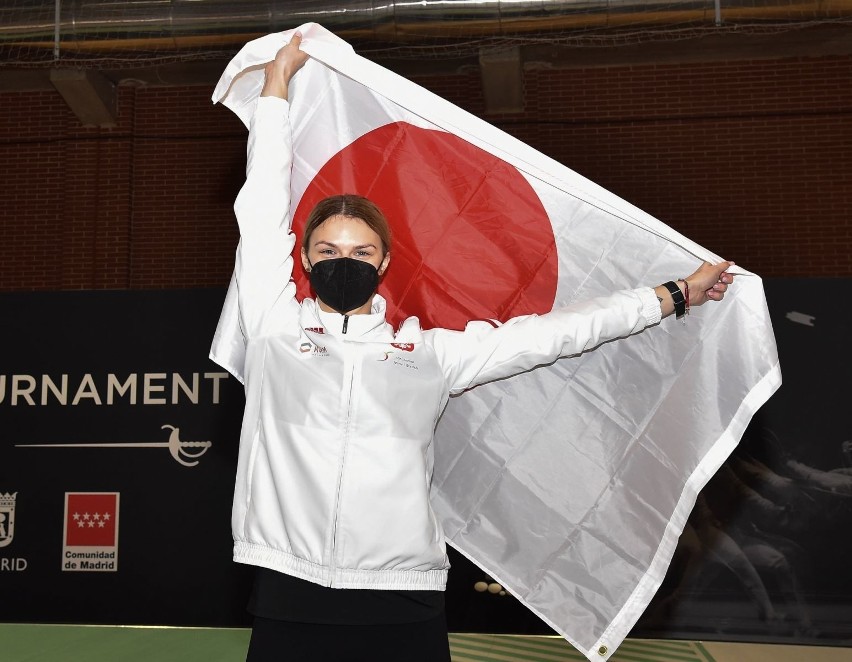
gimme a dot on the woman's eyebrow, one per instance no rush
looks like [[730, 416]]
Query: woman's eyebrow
[[333, 245]]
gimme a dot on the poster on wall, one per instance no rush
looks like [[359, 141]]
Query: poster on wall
[[118, 446]]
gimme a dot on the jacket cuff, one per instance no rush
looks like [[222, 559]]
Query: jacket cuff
[[273, 104], [651, 310], [271, 111]]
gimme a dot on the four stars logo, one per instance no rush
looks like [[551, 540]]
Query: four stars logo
[[91, 520]]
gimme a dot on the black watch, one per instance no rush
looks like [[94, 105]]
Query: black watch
[[677, 298]]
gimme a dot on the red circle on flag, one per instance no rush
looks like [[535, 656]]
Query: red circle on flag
[[471, 239]]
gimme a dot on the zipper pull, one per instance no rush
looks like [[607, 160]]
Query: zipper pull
[[345, 323]]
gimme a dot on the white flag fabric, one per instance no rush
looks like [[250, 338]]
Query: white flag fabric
[[569, 484]]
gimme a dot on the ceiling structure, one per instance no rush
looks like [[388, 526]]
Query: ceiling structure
[[85, 48]]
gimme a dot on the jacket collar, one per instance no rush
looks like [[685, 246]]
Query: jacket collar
[[370, 327]]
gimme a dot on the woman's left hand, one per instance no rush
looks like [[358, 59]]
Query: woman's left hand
[[709, 283]]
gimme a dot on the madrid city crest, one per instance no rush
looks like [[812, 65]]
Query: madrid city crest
[[7, 518]]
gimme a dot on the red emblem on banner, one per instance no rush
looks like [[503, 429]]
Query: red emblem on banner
[[91, 520]]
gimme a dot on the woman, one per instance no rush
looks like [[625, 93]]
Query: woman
[[332, 493]]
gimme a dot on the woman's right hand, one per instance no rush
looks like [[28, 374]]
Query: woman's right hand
[[288, 60]]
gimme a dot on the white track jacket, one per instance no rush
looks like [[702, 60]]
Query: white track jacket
[[335, 457]]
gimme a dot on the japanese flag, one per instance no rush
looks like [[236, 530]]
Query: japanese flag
[[571, 483]]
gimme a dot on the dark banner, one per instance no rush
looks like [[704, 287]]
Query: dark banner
[[118, 446], [117, 454], [766, 552]]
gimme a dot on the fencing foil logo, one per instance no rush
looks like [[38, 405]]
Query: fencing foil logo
[[184, 452], [90, 537], [7, 518]]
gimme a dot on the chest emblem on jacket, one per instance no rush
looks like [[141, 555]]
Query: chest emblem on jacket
[[309, 349], [403, 362], [398, 359]]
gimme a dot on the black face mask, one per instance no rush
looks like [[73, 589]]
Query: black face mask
[[344, 283]]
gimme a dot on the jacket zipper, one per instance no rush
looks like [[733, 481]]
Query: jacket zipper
[[345, 323], [333, 560]]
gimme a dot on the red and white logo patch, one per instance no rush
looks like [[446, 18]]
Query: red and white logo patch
[[91, 532]]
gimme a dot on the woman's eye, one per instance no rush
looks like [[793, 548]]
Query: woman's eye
[[326, 251]]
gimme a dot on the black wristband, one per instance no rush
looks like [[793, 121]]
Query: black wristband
[[677, 298]]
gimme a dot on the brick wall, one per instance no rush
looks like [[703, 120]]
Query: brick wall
[[751, 159]]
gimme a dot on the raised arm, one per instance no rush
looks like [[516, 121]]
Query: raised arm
[[264, 263]]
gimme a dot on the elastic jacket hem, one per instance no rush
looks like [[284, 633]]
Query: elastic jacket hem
[[388, 580]]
